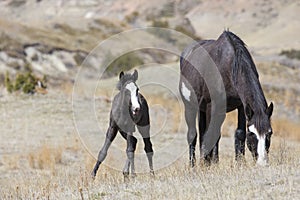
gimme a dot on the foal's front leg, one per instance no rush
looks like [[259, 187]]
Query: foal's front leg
[[110, 136], [131, 146]]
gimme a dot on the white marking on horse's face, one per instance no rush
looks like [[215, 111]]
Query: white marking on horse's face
[[185, 92], [133, 96], [262, 159]]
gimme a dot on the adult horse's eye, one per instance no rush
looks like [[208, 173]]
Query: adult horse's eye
[[270, 132]]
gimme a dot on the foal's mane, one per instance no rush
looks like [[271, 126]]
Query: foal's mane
[[125, 78]]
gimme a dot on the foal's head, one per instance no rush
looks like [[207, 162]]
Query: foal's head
[[130, 91], [259, 134]]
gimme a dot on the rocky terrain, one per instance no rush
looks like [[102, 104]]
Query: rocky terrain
[[61, 33]]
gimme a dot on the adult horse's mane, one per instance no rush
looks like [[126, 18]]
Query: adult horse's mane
[[243, 69], [242, 62]]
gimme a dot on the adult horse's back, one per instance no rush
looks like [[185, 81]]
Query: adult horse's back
[[240, 83]]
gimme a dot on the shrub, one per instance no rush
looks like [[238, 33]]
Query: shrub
[[123, 63], [24, 82], [9, 86], [132, 17], [293, 54], [185, 31], [160, 23]]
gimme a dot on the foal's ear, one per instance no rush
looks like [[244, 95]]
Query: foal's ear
[[269, 110], [121, 74], [135, 75], [249, 112]]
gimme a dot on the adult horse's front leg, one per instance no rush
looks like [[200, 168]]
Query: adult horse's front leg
[[240, 135], [145, 132], [131, 146], [110, 136]]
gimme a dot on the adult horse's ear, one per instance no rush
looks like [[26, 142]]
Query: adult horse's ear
[[249, 112], [269, 110], [135, 75], [121, 74]]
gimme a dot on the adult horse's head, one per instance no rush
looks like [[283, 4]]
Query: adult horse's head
[[259, 133], [130, 90]]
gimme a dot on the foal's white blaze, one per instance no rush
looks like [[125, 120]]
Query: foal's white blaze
[[185, 92], [133, 96], [261, 150]]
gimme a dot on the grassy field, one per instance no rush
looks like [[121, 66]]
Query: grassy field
[[43, 157]]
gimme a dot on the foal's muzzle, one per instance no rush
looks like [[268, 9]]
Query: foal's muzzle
[[135, 111]]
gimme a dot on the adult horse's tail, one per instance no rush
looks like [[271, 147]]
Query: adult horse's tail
[[242, 61]]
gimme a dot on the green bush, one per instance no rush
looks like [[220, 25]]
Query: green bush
[[123, 63], [185, 31], [132, 17], [9, 86], [293, 54], [160, 23], [25, 82]]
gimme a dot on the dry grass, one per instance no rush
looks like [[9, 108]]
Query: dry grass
[[48, 172], [45, 157], [11, 161], [174, 110], [287, 129], [223, 181]]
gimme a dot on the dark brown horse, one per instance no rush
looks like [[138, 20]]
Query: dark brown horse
[[216, 73], [129, 110]]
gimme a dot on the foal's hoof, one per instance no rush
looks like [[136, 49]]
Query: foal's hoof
[[152, 173], [126, 177], [133, 175], [93, 175]]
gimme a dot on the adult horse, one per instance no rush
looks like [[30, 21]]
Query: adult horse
[[243, 92], [129, 110]]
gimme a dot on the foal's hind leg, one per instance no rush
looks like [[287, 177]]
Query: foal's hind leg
[[110, 136], [145, 132], [240, 135]]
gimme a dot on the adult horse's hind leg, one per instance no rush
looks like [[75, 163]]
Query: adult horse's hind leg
[[110, 136], [190, 118], [145, 132], [202, 128], [240, 135], [212, 140]]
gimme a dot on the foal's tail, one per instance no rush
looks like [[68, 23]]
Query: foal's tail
[[242, 61]]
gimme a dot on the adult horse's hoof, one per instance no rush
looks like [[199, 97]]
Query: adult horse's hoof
[[192, 163]]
